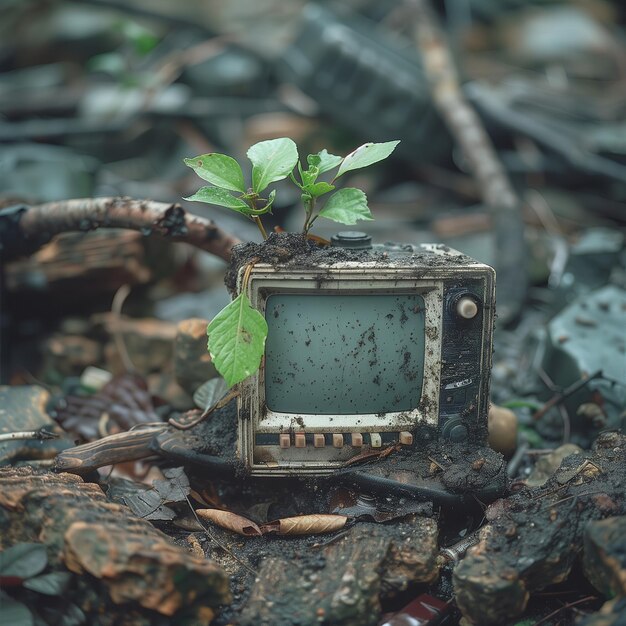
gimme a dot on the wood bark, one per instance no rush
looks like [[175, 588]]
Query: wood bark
[[343, 580], [135, 572]]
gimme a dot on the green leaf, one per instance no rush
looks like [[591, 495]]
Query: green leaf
[[23, 560], [73, 616], [53, 584], [347, 206], [237, 340], [318, 189], [309, 176], [14, 612], [523, 404], [221, 197], [367, 154], [324, 161], [210, 393], [535, 440], [272, 160], [220, 170]]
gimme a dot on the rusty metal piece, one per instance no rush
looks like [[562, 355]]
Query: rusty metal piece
[[457, 551]]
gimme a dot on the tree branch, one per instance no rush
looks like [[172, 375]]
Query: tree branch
[[160, 218], [468, 132]]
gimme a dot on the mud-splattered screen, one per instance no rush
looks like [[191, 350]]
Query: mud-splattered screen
[[344, 354]]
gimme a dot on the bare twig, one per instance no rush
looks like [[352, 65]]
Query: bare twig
[[468, 131], [220, 404], [148, 217], [217, 542], [40, 435], [119, 448], [569, 605], [560, 396], [116, 308]]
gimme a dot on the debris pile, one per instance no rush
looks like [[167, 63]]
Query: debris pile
[[122, 498]]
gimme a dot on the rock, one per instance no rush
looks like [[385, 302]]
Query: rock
[[502, 425], [69, 355], [149, 342], [536, 534], [611, 614], [23, 408], [343, 583], [548, 464], [604, 555], [192, 362], [87, 263]]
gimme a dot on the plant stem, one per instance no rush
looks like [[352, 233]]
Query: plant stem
[[256, 218], [294, 181], [309, 206], [259, 223]]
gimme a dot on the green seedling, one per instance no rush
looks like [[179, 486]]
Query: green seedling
[[237, 334]]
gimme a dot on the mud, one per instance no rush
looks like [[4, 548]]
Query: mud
[[295, 250], [298, 580], [536, 535]]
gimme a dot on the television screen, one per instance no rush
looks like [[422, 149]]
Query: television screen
[[344, 354]]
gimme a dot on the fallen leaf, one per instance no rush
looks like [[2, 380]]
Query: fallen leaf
[[175, 487], [306, 524], [230, 521], [121, 404]]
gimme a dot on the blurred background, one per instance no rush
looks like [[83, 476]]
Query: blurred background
[[106, 97]]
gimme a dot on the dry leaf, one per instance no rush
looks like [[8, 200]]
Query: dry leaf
[[121, 404], [306, 525], [230, 521]]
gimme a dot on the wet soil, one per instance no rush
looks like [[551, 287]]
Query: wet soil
[[295, 250], [341, 578], [536, 535]]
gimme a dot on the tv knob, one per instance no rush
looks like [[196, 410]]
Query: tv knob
[[466, 308], [352, 239]]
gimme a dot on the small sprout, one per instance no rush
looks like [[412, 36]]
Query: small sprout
[[277, 159], [237, 334]]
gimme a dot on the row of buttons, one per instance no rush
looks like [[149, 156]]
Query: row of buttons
[[356, 440]]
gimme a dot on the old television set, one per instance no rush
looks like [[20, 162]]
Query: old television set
[[386, 344]]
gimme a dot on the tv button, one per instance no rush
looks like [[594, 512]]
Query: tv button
[[356, 440], [319, 441], [285, 441], [376, 440], [338, 440], [300, 440], [406, 438], [466, 308]]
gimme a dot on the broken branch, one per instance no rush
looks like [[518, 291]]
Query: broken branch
[[128, 446], [468, 132], [168, 220]]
